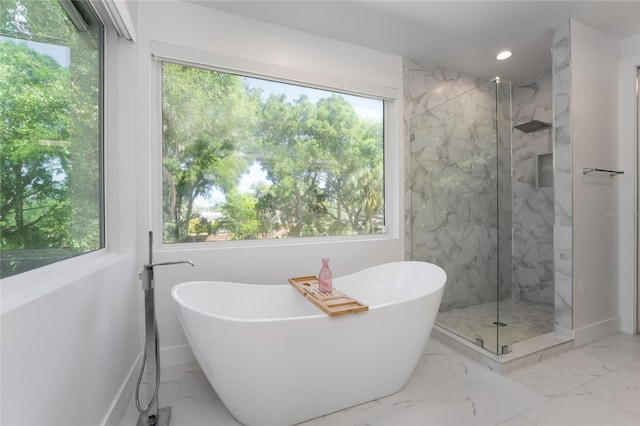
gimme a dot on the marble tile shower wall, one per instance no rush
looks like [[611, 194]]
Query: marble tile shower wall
[[424, 88], [427, 87], [453, 180], [505, 216], [533, 202], [563, 183], [501, 147]]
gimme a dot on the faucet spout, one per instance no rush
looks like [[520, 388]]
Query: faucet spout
[[146, 276], [177, 262]]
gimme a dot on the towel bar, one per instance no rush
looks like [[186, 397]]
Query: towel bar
[[612, 173]]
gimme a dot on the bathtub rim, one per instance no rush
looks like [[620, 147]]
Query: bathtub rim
[[182, 303]]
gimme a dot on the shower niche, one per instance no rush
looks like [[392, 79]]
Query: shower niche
[[545, 170]]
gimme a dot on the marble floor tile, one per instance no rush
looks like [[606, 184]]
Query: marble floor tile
[[189, 394], [435, 350], [581, 410], [601, 359], [517, 421], [168, 393], [621, 342], [354, 415], [468, 369], [429, 380], [195, 412], [492, 401], [435, 412], [596, 384], [553, 377], [635, 365], [620, 387], [196, 385]]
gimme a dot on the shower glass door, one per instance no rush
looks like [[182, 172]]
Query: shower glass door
[[503, 126], [461, 209]]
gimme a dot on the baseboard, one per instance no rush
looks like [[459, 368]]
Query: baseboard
[[176, 355], [121, 401], [596, 331]]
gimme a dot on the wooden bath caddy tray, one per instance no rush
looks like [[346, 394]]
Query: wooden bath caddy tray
[[333, 304]]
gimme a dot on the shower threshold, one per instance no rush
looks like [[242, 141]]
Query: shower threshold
[[523, 353]]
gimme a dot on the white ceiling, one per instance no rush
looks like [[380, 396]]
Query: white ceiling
[[460, 35]]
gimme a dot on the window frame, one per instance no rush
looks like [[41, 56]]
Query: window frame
[[119, 241], [10, 281], [163, 52]]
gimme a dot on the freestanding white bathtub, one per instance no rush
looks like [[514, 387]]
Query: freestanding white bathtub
[[276, 359]]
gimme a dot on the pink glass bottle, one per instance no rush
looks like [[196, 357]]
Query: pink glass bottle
[[325, 278]]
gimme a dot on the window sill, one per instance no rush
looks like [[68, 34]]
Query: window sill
[[23, 288], [274, 242]]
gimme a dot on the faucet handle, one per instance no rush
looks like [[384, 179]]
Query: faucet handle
[[146, 276]]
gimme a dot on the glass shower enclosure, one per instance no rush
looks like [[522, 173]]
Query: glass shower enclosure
[[461, 209]]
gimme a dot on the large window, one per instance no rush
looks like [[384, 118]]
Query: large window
[[246, 158], [51, 202]]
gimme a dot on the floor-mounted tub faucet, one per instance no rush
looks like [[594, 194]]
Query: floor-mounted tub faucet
[[152, 415]]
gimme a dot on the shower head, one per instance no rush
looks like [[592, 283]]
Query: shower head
[[533, 126]]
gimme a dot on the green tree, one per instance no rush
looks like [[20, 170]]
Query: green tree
[[50, 196], [240, 217], [266, 209], [85, 176], [207, 116], [34, 149], [361, 182], [37, 20], [323, 161], [334, 131], [293, 161], [370, 197], [351, 150]]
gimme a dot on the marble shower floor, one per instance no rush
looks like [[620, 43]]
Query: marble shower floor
[[596, 384], [523, 321]]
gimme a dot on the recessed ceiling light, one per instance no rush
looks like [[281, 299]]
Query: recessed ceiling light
[[505, 54]]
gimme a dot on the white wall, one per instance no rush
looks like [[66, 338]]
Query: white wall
[[70, 330], [233, 39], [594, 106], [627, 157], [66, 355]]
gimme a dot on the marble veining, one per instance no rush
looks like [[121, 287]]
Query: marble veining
[[450, 172], [563, 185], [533, 205], [504, 191], [523, 320], [596, 384], [425, 87], [456, 178]]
